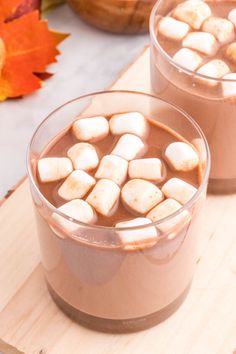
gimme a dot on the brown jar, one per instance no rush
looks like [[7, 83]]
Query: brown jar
[[118, 16]]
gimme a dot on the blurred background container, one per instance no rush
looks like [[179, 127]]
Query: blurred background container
[[117, 16]]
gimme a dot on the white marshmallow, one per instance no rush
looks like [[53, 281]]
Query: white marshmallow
[[181, 156], [77, 209], [140, 195], [77, 184], [193, 12], [54, 168], [129, 147], [166, 208], [137, 239], [201, 41], [104, 196], [221, 28], [232, 16], [91, 129], [215, 68], [173, 29], [150, 168], [131, 122], [229, 88], [84, 156], [188, 59], [114, 168], [179, 190], [230, 52]]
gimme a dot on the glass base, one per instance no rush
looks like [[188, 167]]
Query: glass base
[[117, 326], [222, 186]]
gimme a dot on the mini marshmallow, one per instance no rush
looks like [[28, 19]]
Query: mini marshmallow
[[181, 156], [166, 208], [114, 168], [77, 184], [192, 12], [188, 59], [131, 122], [229, 88], [52, 169], [129, 147], [84, 156], [104, 196], [77, 209], [221, 28], [137, 239], [230, 52], [215, 68], [91, 129], [173, 29], [140, 195], [179, 190], [150, 168], [232, 16], [201, 41]]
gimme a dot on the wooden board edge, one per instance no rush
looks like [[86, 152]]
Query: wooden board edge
[[12, 190]]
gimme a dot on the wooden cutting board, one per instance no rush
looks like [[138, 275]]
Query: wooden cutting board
[[30, 321]]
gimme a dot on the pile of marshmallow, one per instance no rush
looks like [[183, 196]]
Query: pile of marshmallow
[[123, 174], [202, 35]]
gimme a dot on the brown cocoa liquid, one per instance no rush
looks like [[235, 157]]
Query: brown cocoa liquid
[[158, 139], [214, 113]]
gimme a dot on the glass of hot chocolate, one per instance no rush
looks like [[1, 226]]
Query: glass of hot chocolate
[[118, 181], [193, 65]]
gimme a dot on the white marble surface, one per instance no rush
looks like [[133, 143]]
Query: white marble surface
[[90, 61]]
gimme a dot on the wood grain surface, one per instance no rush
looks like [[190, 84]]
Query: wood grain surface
[[204, 324]]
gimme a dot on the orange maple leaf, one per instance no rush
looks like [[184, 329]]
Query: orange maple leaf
[[26, 47]]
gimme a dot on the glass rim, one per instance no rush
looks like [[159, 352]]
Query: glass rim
[[156, 43], [113, 228]]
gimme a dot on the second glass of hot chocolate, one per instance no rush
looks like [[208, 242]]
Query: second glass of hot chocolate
[[193, 65]]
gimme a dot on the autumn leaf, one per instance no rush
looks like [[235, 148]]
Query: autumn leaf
[[26, 47]]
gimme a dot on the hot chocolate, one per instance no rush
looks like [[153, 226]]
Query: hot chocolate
[[193, 64], [119, 200]]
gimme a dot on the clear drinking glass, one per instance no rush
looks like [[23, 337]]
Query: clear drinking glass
[[88, 273], [206, 104]]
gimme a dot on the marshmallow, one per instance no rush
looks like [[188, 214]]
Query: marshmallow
[[173, 29], [221, 28], [104, 196], [150, 168], [179, 190], [54, 168], [76, 185], [132, 122], [201, 41], [229, 88], [215, 68], [166, 208], [181, 156], [114, 168], [137, 239], [129, 147], [188, 59], [193, 12], [77, 209], [83, 156], [141, 196], [91, 129], [230, 52], [232, 16]]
